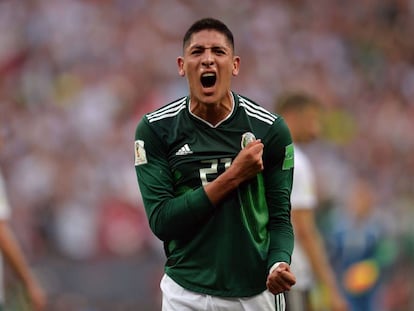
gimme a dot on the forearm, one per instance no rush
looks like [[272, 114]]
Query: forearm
[[281, 245], [14, 256], [313, 246], [227, 182], [280, 225], [175, 218]]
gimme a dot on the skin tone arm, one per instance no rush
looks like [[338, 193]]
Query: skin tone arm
[[308, 236], [14, 257], [246, 165]]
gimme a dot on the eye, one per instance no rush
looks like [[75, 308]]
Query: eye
[[219, 51], [197, 51]]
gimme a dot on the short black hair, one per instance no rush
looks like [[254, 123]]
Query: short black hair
[[295, 101], [209, 24]]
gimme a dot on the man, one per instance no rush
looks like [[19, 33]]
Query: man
[[217, 197], [301, 113], [13, 255]]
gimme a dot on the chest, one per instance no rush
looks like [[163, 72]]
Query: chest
[[198, 156]]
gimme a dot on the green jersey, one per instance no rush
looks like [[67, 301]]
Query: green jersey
[[227, 249]]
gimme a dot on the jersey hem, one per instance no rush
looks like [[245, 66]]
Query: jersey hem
[[218, 293]]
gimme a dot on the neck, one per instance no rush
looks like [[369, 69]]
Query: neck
[[213, 113]]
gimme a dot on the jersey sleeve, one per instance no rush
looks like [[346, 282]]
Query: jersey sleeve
[[169, 217], [278, 181]]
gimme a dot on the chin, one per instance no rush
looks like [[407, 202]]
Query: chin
[[208, 97], [209, 100]]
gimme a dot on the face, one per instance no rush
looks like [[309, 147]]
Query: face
[[308, 124], [208, 64]]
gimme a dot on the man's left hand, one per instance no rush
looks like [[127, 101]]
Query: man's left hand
[[280, 279]]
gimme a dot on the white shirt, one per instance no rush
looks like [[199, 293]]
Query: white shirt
[[303, 196]]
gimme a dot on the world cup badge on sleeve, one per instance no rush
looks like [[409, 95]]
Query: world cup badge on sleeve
[[140, 154]]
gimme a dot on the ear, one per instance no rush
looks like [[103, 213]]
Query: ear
[[180, 63], [236, 65]]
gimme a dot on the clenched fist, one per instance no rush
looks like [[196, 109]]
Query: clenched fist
[[280, 279]]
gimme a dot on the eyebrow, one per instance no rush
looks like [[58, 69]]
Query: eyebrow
[[213, 48], [199, 46]]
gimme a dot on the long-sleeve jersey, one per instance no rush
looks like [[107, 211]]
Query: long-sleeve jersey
[[226, 249]]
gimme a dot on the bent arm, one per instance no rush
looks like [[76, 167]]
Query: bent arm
[[174, 216], [245, 166]]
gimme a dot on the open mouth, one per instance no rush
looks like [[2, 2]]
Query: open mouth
[[208, 79]]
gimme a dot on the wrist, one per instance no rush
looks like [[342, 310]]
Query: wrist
[[275, 265]]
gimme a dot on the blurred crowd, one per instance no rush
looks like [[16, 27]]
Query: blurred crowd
[[76, 77]]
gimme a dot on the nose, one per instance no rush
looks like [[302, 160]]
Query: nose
[[208, 59]]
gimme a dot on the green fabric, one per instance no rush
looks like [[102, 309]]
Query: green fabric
[[223, 250]]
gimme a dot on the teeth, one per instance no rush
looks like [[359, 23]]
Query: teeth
[[208, 74]]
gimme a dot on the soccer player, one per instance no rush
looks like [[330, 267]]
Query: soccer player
[[13, 255], [302, 115], [215, 173]]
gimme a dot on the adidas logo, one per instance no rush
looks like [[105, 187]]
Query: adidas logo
[[184, 150]]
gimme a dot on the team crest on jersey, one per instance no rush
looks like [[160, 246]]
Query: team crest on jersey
[[246, 139], [140, 154]]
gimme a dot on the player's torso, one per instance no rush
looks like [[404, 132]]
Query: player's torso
[[198, 152]]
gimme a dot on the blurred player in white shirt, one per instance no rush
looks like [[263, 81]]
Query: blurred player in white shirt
[[302, 113], [13, 256]]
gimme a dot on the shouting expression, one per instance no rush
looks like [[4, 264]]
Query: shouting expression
[[208, 64]]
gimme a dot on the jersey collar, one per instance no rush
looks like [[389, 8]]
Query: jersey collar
[[208, 123]]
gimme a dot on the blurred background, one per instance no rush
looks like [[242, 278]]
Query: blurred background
[[77, 76]]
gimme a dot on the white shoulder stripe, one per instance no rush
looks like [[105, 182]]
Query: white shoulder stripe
[[167, 111], [167, 114], [257, 107], [259, 118], [169, 106], [256, 111], [252, 110]]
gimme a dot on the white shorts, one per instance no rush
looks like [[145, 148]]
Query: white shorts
[[177, 298]]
